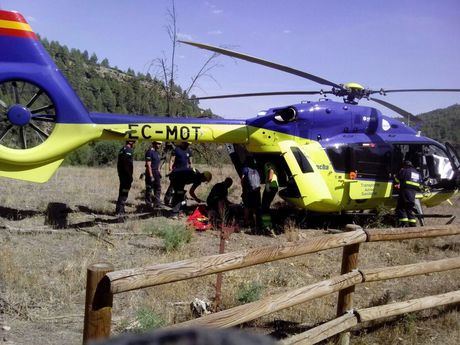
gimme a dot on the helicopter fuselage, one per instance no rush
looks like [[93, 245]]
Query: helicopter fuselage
[[330, 156]]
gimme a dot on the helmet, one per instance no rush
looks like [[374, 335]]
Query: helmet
[[407, 164], [156, 142], [207, 176]]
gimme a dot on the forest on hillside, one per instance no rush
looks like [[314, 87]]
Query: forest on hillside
[[443, 125], [105, 88]]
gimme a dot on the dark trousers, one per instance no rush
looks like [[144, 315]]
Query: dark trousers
[[267, 197], [169, 194], [252, 209], [153, 185], [405, 207], [178, 199], [123, 191]]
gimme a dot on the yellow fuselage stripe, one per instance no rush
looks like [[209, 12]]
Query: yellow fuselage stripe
[[9, 24]]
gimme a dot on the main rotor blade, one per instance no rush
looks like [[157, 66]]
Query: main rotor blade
[[400, 111], [383, 91], [256, 94], [263, 62]]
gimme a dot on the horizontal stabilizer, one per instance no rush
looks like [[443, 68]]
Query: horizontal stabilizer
[[38, 173]]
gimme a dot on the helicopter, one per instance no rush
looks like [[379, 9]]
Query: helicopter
[[330, 156]]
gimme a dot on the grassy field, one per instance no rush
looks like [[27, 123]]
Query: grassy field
[[43, 273]]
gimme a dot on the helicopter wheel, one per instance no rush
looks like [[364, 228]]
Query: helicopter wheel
[[27, 115]]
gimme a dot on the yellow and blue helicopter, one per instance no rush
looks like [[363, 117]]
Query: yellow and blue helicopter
[[330, 156]]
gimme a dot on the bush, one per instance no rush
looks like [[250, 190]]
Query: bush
[[174, 237], [249, 292], [148, 319], [105, 152], [80, 156], [95, 154], [384, 218]]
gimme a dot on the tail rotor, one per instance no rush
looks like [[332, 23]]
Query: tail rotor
[[27, 114]]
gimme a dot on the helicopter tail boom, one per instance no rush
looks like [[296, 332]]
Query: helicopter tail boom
[[41, 116]]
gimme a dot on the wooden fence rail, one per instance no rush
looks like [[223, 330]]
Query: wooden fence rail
[[137, 278], [250, 311], [349, 320], [97, 327]]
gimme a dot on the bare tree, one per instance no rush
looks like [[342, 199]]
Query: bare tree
[[168, 69], [204, 72]]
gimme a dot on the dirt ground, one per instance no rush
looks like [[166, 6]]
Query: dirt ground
[[43, 270]]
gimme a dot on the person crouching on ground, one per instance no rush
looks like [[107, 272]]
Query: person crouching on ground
[[181, 158], [179, 178], [217, 201]]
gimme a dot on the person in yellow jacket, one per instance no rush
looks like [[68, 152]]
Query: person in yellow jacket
[[270, 190]]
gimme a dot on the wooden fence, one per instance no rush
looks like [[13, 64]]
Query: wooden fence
[[103, 282]]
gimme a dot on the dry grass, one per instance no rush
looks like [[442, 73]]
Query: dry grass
[[42, 276]]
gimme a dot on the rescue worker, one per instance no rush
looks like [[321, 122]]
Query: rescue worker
[[270, 190], [125, 175], [250, 183], [217, 200], [152, 175], [179, 178], [181, 158], [408, 182]]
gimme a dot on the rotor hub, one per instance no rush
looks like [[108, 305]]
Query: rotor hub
[[19, 115]]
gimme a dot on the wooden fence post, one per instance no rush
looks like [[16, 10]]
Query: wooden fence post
[[349, 263], [98, 303], [225, 232]]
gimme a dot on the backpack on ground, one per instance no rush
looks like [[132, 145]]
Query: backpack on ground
[[199, 220]]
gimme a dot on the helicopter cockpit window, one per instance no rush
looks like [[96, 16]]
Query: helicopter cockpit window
[[340, 157], [301, 160], [438, 165]]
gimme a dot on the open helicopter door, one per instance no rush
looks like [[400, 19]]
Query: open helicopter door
[[453, 156], [306, 185], [455, 160]]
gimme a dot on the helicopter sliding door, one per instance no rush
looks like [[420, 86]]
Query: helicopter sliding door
[[306, 186], [371, 163], [453, 156]]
